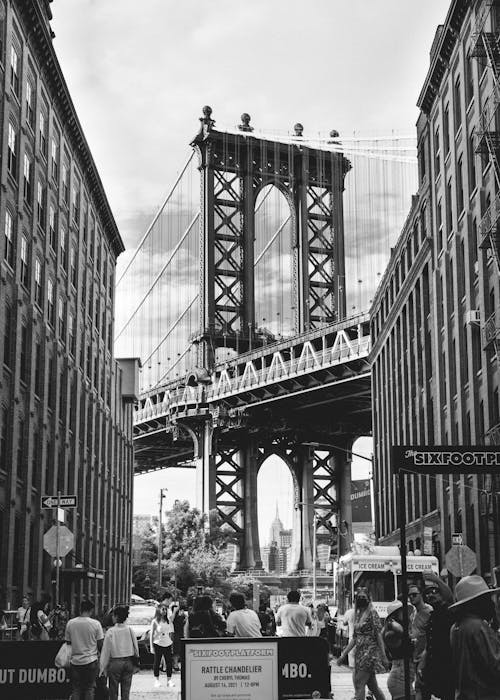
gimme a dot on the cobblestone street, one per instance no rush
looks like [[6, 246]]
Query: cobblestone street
[[143, 686]]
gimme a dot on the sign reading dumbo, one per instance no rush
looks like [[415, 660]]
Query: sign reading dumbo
[[27, 671], [445, 459], [225, 670]]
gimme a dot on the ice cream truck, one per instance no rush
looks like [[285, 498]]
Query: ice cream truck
[[379, 569]]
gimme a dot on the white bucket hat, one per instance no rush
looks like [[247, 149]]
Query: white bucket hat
[[471, 587]]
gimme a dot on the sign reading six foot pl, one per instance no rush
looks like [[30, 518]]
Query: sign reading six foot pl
[[445, 459], [225, 670]]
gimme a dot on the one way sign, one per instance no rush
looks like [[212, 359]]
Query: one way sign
[[64, 502]]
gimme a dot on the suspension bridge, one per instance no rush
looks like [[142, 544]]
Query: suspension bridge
[[246, 300]]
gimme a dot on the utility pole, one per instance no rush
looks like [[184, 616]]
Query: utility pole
[[160, 539]]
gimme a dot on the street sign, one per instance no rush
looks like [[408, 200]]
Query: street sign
[[64, 502], [461, 560], [66, 541], [457, 538]]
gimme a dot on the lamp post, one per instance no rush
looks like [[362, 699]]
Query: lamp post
[[160, 539], [314, 558]]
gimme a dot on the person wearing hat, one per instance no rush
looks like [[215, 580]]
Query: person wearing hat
[[435, 671], [394, 648], [475, 646]]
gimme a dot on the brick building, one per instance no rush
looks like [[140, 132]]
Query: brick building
[[65, 403], [435, 318]]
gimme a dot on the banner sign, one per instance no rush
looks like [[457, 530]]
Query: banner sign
[[27, 671], [280, 668], [361, 501], [439, 459]]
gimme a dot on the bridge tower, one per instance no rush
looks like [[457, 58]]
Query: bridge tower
[[234, 169]]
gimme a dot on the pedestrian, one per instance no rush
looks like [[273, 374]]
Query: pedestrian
[[203, 621], [59, 621], [435, 672], [323, 617], [23, 618], [293, 617], [177, 620], [242, 621], [266, 618], [395, 651], [119, 651], [348, 625], [418, 634], [40, 621], [475, 645], [369, 651], [86, 637], [160, 637]]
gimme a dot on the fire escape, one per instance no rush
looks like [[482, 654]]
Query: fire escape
[[486, 49]]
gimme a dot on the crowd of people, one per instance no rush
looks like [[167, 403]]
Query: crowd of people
[[453, 648], [452, 652]]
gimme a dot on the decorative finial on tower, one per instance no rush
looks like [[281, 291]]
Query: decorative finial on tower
[[245, 123], [298, 128], [206, 124], [334, 134]]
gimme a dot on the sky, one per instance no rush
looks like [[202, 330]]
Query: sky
[[139, 74]]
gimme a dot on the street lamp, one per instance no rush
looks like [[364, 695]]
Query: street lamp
[[160, 539]]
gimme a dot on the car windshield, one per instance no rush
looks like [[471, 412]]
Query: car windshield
[[140, 616]]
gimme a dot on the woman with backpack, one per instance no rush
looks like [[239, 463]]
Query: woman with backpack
[[40, 621], [203, 621]]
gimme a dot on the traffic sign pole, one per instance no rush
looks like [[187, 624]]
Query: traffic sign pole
[[57, 547], [404, 584]]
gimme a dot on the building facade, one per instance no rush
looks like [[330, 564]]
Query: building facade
[[435, 317], [65, 403]]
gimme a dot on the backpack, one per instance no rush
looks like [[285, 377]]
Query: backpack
[[201, 625]]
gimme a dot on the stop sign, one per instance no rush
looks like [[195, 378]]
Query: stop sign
[[66, 541], [461, 560]]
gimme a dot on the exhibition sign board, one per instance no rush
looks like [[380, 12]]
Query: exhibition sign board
[[274, 668], [27, 671]]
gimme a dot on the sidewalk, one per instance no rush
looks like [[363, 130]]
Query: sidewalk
[[143, 685]]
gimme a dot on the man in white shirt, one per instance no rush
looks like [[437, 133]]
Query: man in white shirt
[[242, 622], [348, 624], [85, 636], [293, 617], [23, 618]]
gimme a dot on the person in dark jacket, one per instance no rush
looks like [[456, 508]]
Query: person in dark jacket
[[203, 621], [475, 646], [435, 668]]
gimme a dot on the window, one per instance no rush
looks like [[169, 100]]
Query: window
[[91, 237], [72, 335], [40, 205], [38, 282], [27, 178], [85, 219], [457, 105], [472, 163], [8, 336], [52, 227], [75, 202], [24, 262], [65, 182], [12, 151], [23, 360], [14, 69], [8, 239], [469, 79], [72, 266], [61, 320], [50, 302], [54, 154], [439, 217], [63, 248], [449, 218], [43, 133], [437, 152], [38, 369], [460, 186], [446, 129], [30, 104], [4, 428], [421, 160]]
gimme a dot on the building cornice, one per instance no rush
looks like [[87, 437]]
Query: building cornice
[[441, 54], [39, 32]]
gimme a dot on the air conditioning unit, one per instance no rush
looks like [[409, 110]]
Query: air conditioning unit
[[473, 316]]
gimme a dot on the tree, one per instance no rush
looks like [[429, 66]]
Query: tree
[[194, 547]]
